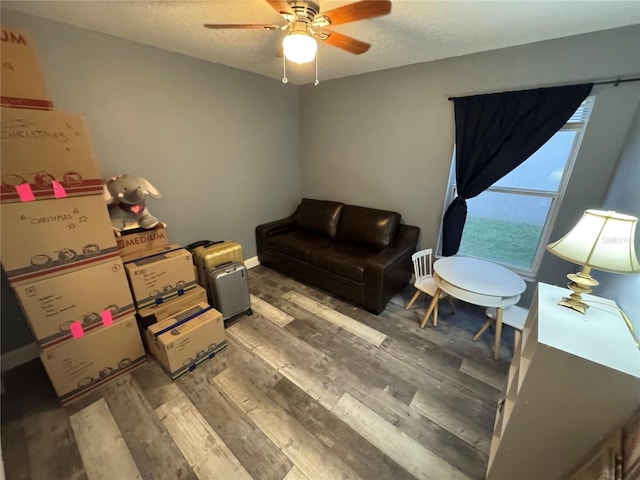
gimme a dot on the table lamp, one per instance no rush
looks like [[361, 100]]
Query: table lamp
[[603, 240]]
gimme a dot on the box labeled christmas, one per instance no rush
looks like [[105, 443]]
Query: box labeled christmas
[[52, 237], [48, 153]]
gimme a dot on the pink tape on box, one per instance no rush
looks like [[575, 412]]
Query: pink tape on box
[[25, 193], [76, 330], [58, 190], [107, 318]]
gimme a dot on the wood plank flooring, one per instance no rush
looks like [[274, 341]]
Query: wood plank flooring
[[309, 387]]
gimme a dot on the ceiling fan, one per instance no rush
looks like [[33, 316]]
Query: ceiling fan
[[306, 25]]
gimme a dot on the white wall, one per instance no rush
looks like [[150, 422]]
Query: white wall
[[385, 139], [623, 196], [220, 144]]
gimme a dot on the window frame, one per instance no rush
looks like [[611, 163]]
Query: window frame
[[556, 196]]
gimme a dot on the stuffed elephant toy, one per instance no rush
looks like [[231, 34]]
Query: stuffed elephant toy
[[125, 195]]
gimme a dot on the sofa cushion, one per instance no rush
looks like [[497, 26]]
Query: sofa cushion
[[343, 258], [297, 243], [367, 226], [319, 216]]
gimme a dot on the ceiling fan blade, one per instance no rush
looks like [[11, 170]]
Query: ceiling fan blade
[[358, 11], [342, 41], [280, 6], [259, 26]]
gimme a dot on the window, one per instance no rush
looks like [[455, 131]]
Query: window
[[511, 221]]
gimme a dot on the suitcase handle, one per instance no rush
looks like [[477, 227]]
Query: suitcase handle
[[202, 243]]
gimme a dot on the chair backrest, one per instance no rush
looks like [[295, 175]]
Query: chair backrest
[[422, 264]]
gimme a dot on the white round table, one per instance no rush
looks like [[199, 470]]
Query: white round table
[[478, 282]]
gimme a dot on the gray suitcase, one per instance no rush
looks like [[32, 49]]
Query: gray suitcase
[[229, 285]]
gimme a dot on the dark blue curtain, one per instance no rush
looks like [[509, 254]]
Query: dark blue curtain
[[497, 132]]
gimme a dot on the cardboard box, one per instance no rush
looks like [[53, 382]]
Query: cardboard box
[[141, 241], [140, 254], [51, 237], [185, 341], [161, 277], [40, 148], [80, 366], [90, 295], [156, 313], [22, 84]]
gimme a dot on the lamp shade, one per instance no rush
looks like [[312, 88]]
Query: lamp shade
[[299, 46], [603, 240]]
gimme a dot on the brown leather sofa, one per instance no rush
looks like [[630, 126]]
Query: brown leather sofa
[[357, 253]]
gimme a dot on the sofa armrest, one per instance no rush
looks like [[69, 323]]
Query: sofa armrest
[[404, 246], [390, 269], [272, 228]]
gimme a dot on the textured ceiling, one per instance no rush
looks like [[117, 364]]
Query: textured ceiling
[[415, 30]]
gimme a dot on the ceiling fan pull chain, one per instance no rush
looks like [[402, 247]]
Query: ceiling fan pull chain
[[284, 70], [317, 82]]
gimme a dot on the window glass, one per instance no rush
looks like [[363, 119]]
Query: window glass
[[543, 170], [504, 227]]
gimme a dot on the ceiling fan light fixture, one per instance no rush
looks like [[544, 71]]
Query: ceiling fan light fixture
[[299, 46]]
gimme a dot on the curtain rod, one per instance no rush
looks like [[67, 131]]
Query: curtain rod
[[617, 81], [614, 82]]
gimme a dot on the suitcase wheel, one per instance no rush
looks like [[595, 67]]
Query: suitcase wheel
[[249, 311]]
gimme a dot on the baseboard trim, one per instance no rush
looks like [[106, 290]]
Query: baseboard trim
[[20, 355], [251, 262]]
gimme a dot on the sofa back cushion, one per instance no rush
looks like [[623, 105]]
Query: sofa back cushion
[[368, 226], [319, 216]]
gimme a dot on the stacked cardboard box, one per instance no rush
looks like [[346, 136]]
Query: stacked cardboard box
[[133, 242], [58, 248], [184, 341], [23, 85], [160, 275], [179, 328]]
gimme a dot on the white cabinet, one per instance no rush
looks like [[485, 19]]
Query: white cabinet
[[573, 379]]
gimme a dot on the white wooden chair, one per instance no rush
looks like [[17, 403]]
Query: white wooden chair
[[514, 316], [424, 282]]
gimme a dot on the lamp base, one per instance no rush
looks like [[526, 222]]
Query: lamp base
[[580, 283], [574, 303]]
